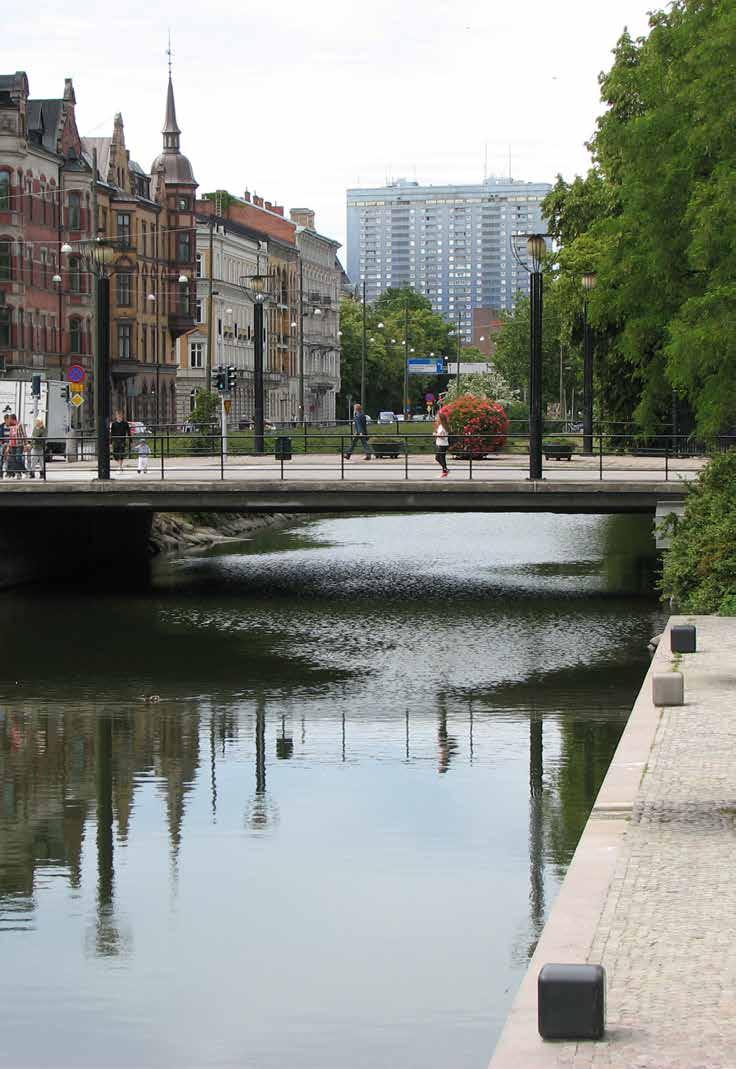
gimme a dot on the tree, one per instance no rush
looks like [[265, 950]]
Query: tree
[[485, 384], [512, 348]]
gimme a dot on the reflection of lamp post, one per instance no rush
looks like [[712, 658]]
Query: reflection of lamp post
[[589, 281], [256, 287], [97, 255], [536, 248]]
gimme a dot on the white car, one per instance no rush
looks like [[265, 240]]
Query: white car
[[386, 417]]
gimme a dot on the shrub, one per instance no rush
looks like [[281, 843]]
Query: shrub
[[699, 573], [478, 425]]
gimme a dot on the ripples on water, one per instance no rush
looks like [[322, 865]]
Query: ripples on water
[[309, 796]]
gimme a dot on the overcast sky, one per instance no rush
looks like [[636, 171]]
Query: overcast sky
[[298, 101]]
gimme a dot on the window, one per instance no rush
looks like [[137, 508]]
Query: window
[[123, 223], [75, 335], [198, 312], [183, 204], [75, 274], [74, 221], [4, 328], [144, 339], [4, 191], [124, 289], [196, 354], [199, 261], [124, 348], [183, 246], [183, 299], [144, 230], [6, 261]]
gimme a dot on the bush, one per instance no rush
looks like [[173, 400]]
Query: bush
[[699, 573], [481, 425]]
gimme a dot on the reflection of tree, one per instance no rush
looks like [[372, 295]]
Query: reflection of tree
[[536, 831]]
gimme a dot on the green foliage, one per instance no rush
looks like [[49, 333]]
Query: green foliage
[[699, 572], [656, 219], [486, 384], [479, 423], [386, 324], [512, 348], [205, 417]]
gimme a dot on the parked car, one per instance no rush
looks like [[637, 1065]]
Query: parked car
[[386, 417]]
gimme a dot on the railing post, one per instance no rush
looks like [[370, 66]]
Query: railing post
[[470, 467], [666, 461], [600, 453], [342, 457], [43, 460], [222, 459], [162, 458], [406, 457], [282, 465]]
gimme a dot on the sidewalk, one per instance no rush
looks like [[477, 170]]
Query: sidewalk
[[651, 892]]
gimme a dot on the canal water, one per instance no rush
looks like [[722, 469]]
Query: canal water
[[307, 799]]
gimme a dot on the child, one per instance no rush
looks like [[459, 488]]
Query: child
[[143, 450]]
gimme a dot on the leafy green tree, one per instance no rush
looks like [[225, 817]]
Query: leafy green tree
[[512, 349]]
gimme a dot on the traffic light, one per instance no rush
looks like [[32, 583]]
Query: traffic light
[[65, 394], [232, 377], [35, 385], [220, 378]]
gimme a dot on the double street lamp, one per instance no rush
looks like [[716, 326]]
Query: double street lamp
[[256, 286]]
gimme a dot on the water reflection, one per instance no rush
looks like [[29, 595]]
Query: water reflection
[[308, 796]]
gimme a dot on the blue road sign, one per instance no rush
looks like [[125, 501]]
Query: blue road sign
[[426, 366]]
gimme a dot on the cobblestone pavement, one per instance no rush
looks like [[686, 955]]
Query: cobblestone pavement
[[666, 935]]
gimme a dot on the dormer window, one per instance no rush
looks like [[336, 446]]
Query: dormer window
[[183, 204]]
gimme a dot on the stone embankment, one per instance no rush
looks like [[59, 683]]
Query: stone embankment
[[172, 532], [650, 893]]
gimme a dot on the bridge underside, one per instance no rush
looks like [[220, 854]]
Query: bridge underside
[[98, 498]]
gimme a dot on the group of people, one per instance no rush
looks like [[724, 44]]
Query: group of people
[[20, 454], [441, 434], [121, 442]]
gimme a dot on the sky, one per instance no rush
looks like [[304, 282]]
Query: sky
[[299, 101]]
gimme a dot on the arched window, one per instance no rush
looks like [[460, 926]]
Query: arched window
[[4, 191], [75, 335]]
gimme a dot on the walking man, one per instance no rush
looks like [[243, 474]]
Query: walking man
[[360, 423]]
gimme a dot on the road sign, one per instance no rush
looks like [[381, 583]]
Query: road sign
[[77, 399], [76, 387], [228, 405], [426, 366], [76, 373]]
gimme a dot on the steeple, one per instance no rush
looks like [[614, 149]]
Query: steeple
[[170, 131]]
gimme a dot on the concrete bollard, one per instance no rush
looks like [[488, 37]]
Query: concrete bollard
[[571, 1001], [668, 688], [682, 638]]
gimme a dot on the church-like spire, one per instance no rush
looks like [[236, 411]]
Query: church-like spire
[[170, 131]]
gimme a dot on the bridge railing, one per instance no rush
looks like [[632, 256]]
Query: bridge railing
[[323, 453]]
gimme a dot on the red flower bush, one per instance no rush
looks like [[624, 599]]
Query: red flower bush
[[477, 426]]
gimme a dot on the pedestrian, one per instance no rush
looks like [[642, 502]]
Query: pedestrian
[[360, 424], [17, 441], [119, 438], [4, 440], [143, 450], [38, 442], [441, 442]]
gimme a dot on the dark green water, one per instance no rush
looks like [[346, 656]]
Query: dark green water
[[334, 838]]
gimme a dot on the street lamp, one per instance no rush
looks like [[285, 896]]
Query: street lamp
[[536, 248], [589, 281], [256, 286], [97, 255], [151, 299]]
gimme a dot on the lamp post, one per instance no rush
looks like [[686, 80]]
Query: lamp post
[[536, 247], [151, 299], [589, 281], [256, 287], [97, 255], [362, 355]]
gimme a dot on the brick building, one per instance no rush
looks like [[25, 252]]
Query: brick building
[[50, 197]]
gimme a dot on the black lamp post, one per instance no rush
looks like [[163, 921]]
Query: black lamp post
[[362, 355], [97, 255], [257, 286], [536, 248], [589, 281]]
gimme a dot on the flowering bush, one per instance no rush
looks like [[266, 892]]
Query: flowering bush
[[477, 426]]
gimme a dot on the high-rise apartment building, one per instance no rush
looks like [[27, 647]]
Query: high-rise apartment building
[[455, 244]]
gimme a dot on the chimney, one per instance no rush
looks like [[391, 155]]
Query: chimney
[[246, 196], [302, 217], [258, 201], [69, 96], [268, 205]]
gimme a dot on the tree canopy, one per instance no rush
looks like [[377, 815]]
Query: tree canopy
[[655, 218]]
